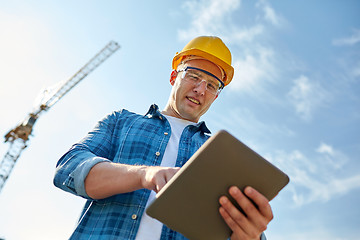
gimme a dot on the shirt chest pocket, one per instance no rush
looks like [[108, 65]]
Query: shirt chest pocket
[[144, 146]]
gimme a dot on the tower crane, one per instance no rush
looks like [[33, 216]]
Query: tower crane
[[19, 136]]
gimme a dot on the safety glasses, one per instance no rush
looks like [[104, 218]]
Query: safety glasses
[[196, 76]]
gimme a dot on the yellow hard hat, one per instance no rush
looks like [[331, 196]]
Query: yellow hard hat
[[211, 48]]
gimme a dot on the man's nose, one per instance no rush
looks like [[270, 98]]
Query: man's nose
[[201, 87]]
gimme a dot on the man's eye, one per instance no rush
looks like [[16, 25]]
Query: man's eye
[[193, 77], [211, 86]]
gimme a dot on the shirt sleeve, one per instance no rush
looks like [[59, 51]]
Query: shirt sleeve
[[73, 167], [263, 237]]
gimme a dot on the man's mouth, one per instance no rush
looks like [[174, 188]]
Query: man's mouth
[[193, 100]]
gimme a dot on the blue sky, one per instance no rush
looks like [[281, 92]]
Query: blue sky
[[294, 98]]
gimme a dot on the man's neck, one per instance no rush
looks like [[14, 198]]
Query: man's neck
[[169, 111]]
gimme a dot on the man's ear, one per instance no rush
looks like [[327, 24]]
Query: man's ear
[[173, 76]]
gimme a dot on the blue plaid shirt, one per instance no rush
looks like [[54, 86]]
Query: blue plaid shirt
[[129, 138]]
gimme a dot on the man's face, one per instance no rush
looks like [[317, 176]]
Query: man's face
[[190, 101]]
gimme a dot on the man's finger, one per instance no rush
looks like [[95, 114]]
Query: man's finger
[[236, 220], [255, 217], [170, 173], [261, 201]]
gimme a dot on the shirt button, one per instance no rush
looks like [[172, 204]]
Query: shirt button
[[157, 153], [160, 117], [166, 133], [134, 216]]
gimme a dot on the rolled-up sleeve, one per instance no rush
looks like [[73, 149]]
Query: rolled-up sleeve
[[74, 166], [263, 237]]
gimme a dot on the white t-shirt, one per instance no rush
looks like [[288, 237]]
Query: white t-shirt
[[150, 228]]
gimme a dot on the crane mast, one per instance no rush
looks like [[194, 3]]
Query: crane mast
[[19, 136]]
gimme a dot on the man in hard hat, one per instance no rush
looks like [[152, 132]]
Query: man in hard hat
[[121, 164]]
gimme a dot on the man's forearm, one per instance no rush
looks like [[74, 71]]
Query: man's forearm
[[106, 179]]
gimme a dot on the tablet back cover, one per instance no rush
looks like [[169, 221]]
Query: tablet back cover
[[189, 201]]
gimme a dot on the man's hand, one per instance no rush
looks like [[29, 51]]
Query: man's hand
[[250, 224], [155, 178], [106, 179]]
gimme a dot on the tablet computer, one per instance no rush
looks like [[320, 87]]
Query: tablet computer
[[189, 202]]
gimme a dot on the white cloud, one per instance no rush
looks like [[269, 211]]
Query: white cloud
[[246, 34], [316, 178], [251, 70], [208, 17], [352, 40], [315, 232], [269, 13], [326, 149], [307, 96], [356, 70], [253, 62], [331, 156], [212, 17]]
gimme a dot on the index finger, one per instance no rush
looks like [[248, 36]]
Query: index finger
[[165, 176]]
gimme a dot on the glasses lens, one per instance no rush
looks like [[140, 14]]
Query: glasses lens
[[197, 77]]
